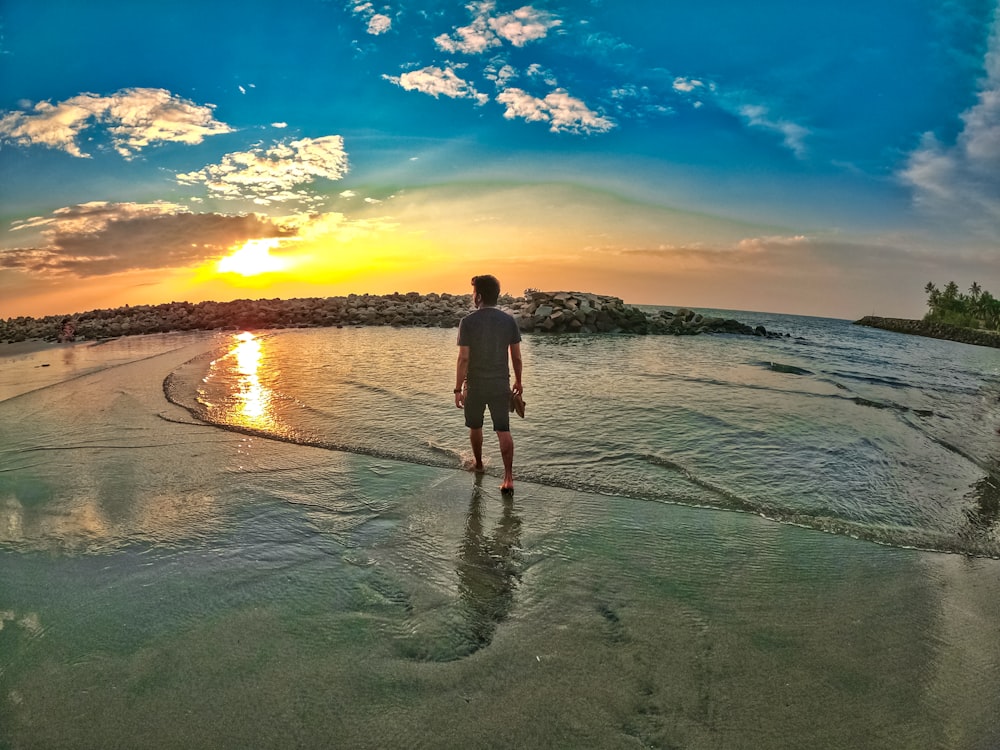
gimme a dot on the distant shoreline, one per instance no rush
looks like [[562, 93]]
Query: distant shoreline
[[930, 329]]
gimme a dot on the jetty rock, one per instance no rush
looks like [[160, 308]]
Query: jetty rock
[[585, 312], [932, 329], [535, 312]]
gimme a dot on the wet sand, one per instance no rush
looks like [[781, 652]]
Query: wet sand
[[168, 584]]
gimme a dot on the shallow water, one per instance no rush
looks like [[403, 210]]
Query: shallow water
[[841, 428], [166, 583]]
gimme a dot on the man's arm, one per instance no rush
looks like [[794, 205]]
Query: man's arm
[[461, 371], [515, 361]]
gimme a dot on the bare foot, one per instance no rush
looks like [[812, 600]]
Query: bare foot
[[469, 464], [507, 486]]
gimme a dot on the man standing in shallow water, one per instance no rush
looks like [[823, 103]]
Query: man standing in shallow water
[[482, 377]]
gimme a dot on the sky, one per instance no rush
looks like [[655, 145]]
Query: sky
[[826, 158]]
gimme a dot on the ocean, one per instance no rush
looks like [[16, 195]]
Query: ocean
[[270, 539]]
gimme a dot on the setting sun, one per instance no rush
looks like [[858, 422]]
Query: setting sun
[[253, 258]]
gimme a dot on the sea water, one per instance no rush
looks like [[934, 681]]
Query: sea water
[[297, 556], [845, 429]]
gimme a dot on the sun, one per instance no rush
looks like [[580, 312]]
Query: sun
[[253, 258]]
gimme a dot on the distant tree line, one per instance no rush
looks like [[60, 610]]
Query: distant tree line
[[977, 309]]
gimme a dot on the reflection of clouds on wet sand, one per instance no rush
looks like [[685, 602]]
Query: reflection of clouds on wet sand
[[29, 622], [88, 463]]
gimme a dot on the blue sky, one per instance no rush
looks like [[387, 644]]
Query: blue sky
[[819, 158]]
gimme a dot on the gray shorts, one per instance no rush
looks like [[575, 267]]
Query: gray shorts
[[495, 396]]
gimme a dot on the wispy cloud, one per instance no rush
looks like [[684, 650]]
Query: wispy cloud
[[99, 238], [134, 118], [436, 82], [793, 135], [963, 180], [269, 175], [563, 112]]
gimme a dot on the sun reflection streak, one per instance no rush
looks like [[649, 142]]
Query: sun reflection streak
[[253, 400]]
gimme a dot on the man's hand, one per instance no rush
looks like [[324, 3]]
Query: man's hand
[[517, 388], [460, 398]]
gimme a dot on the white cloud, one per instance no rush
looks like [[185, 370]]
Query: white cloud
[[437, 81], [687, 85], [962, 181], [347, 194], [500, 72], [271, 175], [793, 135], [526, 24], [563, 112], [279, 125], [134, 118], [379, 24], [537, 71], [470, 40], [523, 25]]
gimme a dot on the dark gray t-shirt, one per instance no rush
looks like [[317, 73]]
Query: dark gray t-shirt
[[488, 332]]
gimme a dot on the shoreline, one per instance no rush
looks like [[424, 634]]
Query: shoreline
[[933, 330]]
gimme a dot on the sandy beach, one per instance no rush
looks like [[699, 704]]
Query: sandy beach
[[169, 584]]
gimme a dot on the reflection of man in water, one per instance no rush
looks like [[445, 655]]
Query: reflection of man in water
[[489, 568], [482, 377]]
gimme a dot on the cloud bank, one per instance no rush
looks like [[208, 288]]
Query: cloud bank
[[134, 118], [100, 238]]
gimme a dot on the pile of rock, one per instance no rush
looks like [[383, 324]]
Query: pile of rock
[[539, 312], [932, 329], [582, 312], [575, 312]]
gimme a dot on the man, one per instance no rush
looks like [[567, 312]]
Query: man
[[482, 377]]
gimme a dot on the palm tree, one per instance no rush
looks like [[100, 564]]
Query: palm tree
[[933, 296], [989, 311], [975, 290]]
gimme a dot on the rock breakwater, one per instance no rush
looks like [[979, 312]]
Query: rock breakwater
[[583, 312], [535, 312], [933, 330]]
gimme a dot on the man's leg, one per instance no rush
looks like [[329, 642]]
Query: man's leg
[[476, 439], [507, 452]]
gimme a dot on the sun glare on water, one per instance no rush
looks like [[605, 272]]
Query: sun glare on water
[[253, 258]]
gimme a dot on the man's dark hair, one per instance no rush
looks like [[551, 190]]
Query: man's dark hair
[[487, 287]]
